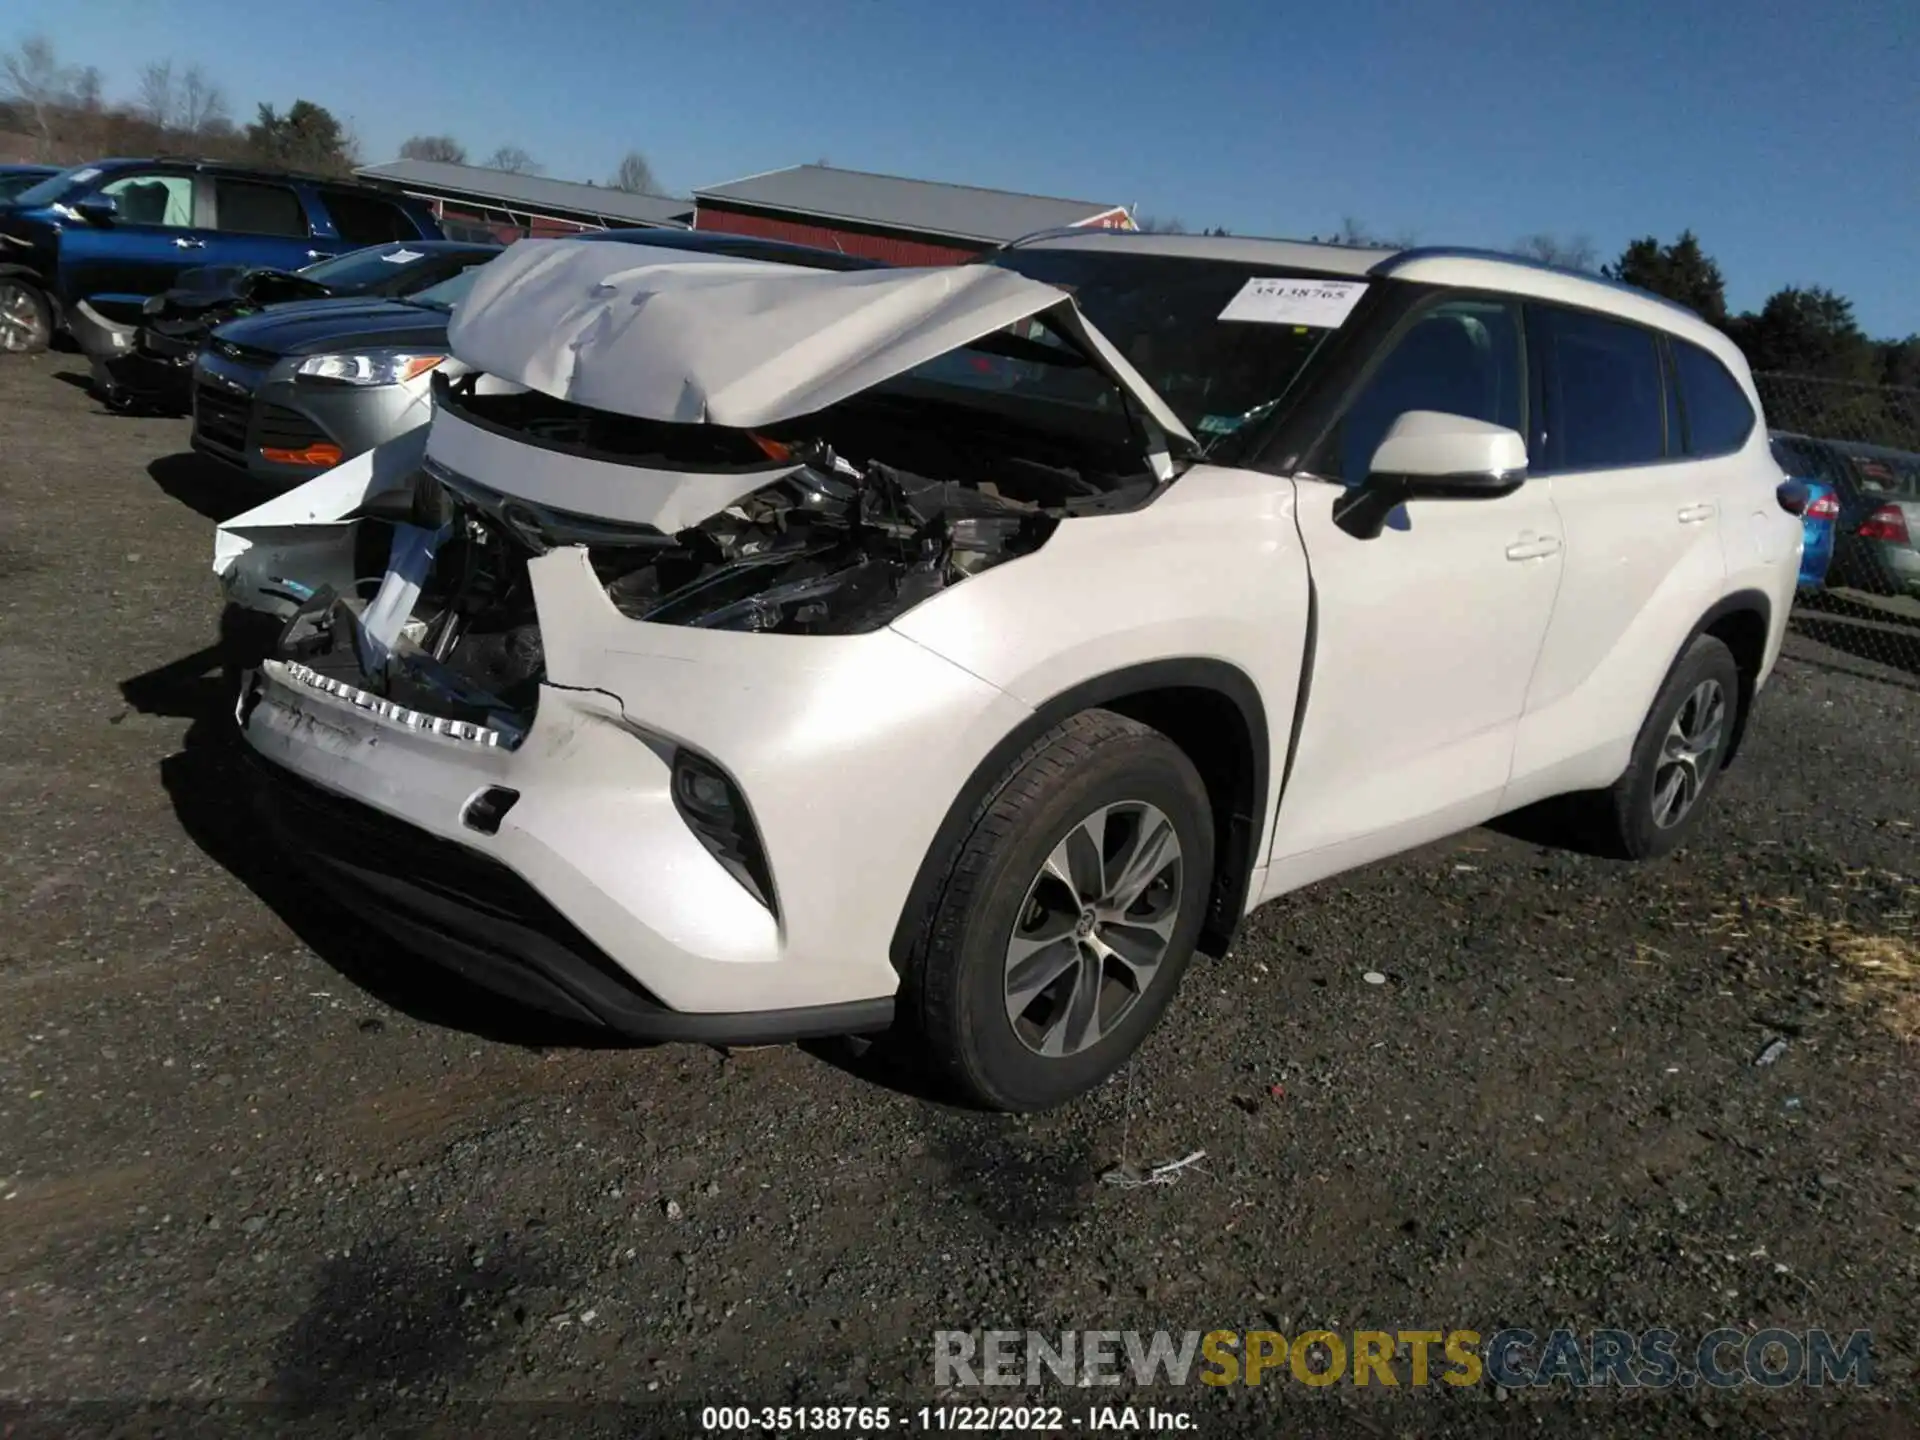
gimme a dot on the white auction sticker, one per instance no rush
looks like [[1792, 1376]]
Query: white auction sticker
[[1277, 300], [401, 257]]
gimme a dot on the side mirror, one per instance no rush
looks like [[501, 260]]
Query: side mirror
[[1428, 455], [97, 209]]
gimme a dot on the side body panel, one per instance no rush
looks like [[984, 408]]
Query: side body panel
[[1426, 641], [1212, 570]]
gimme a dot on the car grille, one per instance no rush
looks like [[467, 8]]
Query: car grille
[[220, 418], [278, 428]]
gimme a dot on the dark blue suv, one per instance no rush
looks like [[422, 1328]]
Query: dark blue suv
[[86, 247]]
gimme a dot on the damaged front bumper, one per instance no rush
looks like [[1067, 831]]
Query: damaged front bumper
[[468, 909], [561, 872]]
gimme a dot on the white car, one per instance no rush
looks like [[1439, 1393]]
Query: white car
[[747, 654]]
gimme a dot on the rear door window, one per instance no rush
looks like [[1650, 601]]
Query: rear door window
[[1718, 417], [251, 207], [1606, 401], [367, 219]]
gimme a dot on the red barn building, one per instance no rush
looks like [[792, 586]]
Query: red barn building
[[887, 217]]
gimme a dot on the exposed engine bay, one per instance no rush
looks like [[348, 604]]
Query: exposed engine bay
[[441, 623], [732, 445]]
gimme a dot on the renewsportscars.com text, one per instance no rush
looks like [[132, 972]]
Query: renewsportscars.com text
[[1511, 1358]]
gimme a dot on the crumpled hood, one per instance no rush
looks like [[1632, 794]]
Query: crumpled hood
[[742, 343]]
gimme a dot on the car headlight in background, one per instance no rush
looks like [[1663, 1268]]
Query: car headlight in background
[[373, 367]]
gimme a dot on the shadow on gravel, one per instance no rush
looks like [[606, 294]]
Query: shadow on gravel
[[210, 783], [1564, 822], [390, 1316], [1015, 1178], [203, 485], [1897, 650]]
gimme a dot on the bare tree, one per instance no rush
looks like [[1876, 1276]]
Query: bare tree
[[86, 90], [1575, 254], [33, 75], [154, 96], [635, 175], [443, 148], [1353, 232], [514, 161], [202, 107], [185, 103]]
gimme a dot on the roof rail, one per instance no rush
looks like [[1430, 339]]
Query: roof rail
[[1466, 252], [1054, 231]]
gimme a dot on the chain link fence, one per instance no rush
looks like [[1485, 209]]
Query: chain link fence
[[1857, 446]]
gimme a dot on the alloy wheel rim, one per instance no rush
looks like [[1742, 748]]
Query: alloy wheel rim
[[1094, 929], [1688, 753], [19, 318]]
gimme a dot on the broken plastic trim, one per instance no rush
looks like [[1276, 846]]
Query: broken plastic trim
[[500, 733], [540, 527]]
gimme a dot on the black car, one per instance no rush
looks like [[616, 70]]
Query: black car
[[155, 371], [298, 388]]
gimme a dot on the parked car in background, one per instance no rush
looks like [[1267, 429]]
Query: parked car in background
[[15, 178], [742, 670], [1821, 503], [1887, 540], [295, 389], [1873, 488], [88, 246], [155, 371]]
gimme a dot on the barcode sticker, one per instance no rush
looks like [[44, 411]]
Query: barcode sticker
[[1276, 300]]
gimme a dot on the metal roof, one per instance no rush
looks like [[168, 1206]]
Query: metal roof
[[922, 207], [1250, 250], [534, 193]]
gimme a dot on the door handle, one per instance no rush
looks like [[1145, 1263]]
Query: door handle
[[1533, 547], [1694, 514], [187, 242]]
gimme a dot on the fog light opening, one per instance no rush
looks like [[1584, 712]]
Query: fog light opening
[[485, 811]]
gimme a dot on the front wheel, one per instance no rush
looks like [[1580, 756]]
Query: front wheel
[[26, 317], [1068, 916]]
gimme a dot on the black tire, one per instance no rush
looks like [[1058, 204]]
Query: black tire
[[956, 992], [26, 317], [1630, 812]]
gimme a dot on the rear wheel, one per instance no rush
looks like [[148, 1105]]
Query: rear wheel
[[26, 317], [1069, 914], [1677, 760]]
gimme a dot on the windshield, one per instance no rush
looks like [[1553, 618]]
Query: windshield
[[363, 269], [448, 293], [12, 184], [54, 186], [1163, 314]]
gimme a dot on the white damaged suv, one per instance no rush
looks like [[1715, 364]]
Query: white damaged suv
[[746, 653]]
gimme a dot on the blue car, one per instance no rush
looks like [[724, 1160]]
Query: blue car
[[86, 247], [1802, 460], [15, 178]]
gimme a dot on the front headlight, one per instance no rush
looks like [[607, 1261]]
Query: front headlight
[[373, 367], [155, 304]]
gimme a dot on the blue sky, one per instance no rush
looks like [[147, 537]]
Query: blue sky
[[1786, 135]]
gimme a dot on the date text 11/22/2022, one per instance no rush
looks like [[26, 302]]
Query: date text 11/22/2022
[[857, 1420]]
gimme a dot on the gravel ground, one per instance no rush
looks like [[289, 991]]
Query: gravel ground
[[256, 1166]]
